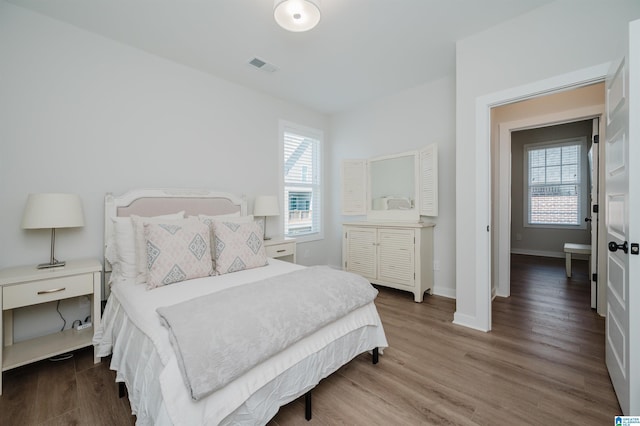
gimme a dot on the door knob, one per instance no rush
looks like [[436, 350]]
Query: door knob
[[614, 247], [587, 219]]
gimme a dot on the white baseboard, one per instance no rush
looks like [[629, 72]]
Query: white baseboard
[[544, 253], [447, 292], [467, 321], [541, 253]]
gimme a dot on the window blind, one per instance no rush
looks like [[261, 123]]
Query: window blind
[[302, 180], [554, 185]]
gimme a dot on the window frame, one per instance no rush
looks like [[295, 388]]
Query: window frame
[[583, 198], [317, 188]]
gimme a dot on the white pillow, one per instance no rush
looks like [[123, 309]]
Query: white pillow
[[177, 251], [123, 257], [139, 244]]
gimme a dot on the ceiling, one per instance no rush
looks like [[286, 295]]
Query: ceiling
[[360, 51]]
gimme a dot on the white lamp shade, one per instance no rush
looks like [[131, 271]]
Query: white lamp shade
[[53, 211], [297, 15], [266, 205]]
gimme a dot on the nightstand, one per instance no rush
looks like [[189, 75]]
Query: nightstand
[[283, 249], [25, 286]]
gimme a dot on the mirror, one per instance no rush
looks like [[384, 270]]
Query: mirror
[[393, 183], [400, 187], [393, 188]]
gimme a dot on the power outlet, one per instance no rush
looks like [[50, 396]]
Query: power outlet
[[83, 326], [436, 265], [518, 237]]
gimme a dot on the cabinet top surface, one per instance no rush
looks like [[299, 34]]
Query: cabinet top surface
[[275, 241], [17, 274], [392, 224]]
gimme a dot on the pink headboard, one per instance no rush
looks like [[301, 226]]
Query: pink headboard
[[191, 206], [154, 202]]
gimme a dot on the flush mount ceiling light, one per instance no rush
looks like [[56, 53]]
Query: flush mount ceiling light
[[297, 15]]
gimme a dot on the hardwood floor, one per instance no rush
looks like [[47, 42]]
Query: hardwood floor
[[542, 364], [71, 392]]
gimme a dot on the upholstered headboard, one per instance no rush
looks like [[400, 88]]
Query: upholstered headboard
[[154, 202]]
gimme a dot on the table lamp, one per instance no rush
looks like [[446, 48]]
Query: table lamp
[[53, 211], [266, 205]]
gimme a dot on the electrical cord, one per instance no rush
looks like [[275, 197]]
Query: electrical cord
[[67, 355], [64, 321]]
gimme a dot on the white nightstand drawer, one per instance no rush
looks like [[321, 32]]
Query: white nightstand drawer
[[279, 250], [32, 293]]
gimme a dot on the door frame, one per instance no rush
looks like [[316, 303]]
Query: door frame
[[571, 80], [502, 251]]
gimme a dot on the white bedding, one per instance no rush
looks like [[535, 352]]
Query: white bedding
[[145, 361]]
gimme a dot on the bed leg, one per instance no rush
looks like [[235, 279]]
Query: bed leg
[[375, 355], [122, 390], [307, 406]]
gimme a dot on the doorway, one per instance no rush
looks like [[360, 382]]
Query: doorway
[[550, 194], [582, 103]]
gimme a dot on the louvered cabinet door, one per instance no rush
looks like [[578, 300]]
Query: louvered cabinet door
[[429, 181], [360, 247], [396, 256], [354, 187]]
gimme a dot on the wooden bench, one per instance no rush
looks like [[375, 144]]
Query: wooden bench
[[570, 248]]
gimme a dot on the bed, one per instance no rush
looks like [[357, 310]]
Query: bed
[[142, 347]]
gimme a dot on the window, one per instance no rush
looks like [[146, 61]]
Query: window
[[555, 184], [302, 183]]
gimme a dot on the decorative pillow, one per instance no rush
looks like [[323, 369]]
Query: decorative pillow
[[177, 251], [238, 246], [231, 218], [140, 243]]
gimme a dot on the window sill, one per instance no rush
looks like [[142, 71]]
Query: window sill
[[580, 227], [307, 238]]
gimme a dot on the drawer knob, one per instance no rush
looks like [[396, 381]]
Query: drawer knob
[[53, 290]]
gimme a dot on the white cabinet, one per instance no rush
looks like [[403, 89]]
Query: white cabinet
[[281, 249], [389, 254], [26, 286]]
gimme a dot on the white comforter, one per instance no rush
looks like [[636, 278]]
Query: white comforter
[[176, 405]]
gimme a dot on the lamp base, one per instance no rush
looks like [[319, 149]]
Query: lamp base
[[55, 264]]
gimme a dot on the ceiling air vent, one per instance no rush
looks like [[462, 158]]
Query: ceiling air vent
[[262, 65]]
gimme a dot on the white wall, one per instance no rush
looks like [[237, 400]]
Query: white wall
[[83, 114], [404, 121], [555, 39]]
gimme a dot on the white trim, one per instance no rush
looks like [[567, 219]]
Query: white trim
[[559, 83], [447, 292], [581, 143], [467, 321], [545, 253], [318, 134]]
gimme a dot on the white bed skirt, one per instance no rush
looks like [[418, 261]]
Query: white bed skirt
[[137, 364]]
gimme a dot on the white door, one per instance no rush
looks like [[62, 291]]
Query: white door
[[622, 159], [592, 216]]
